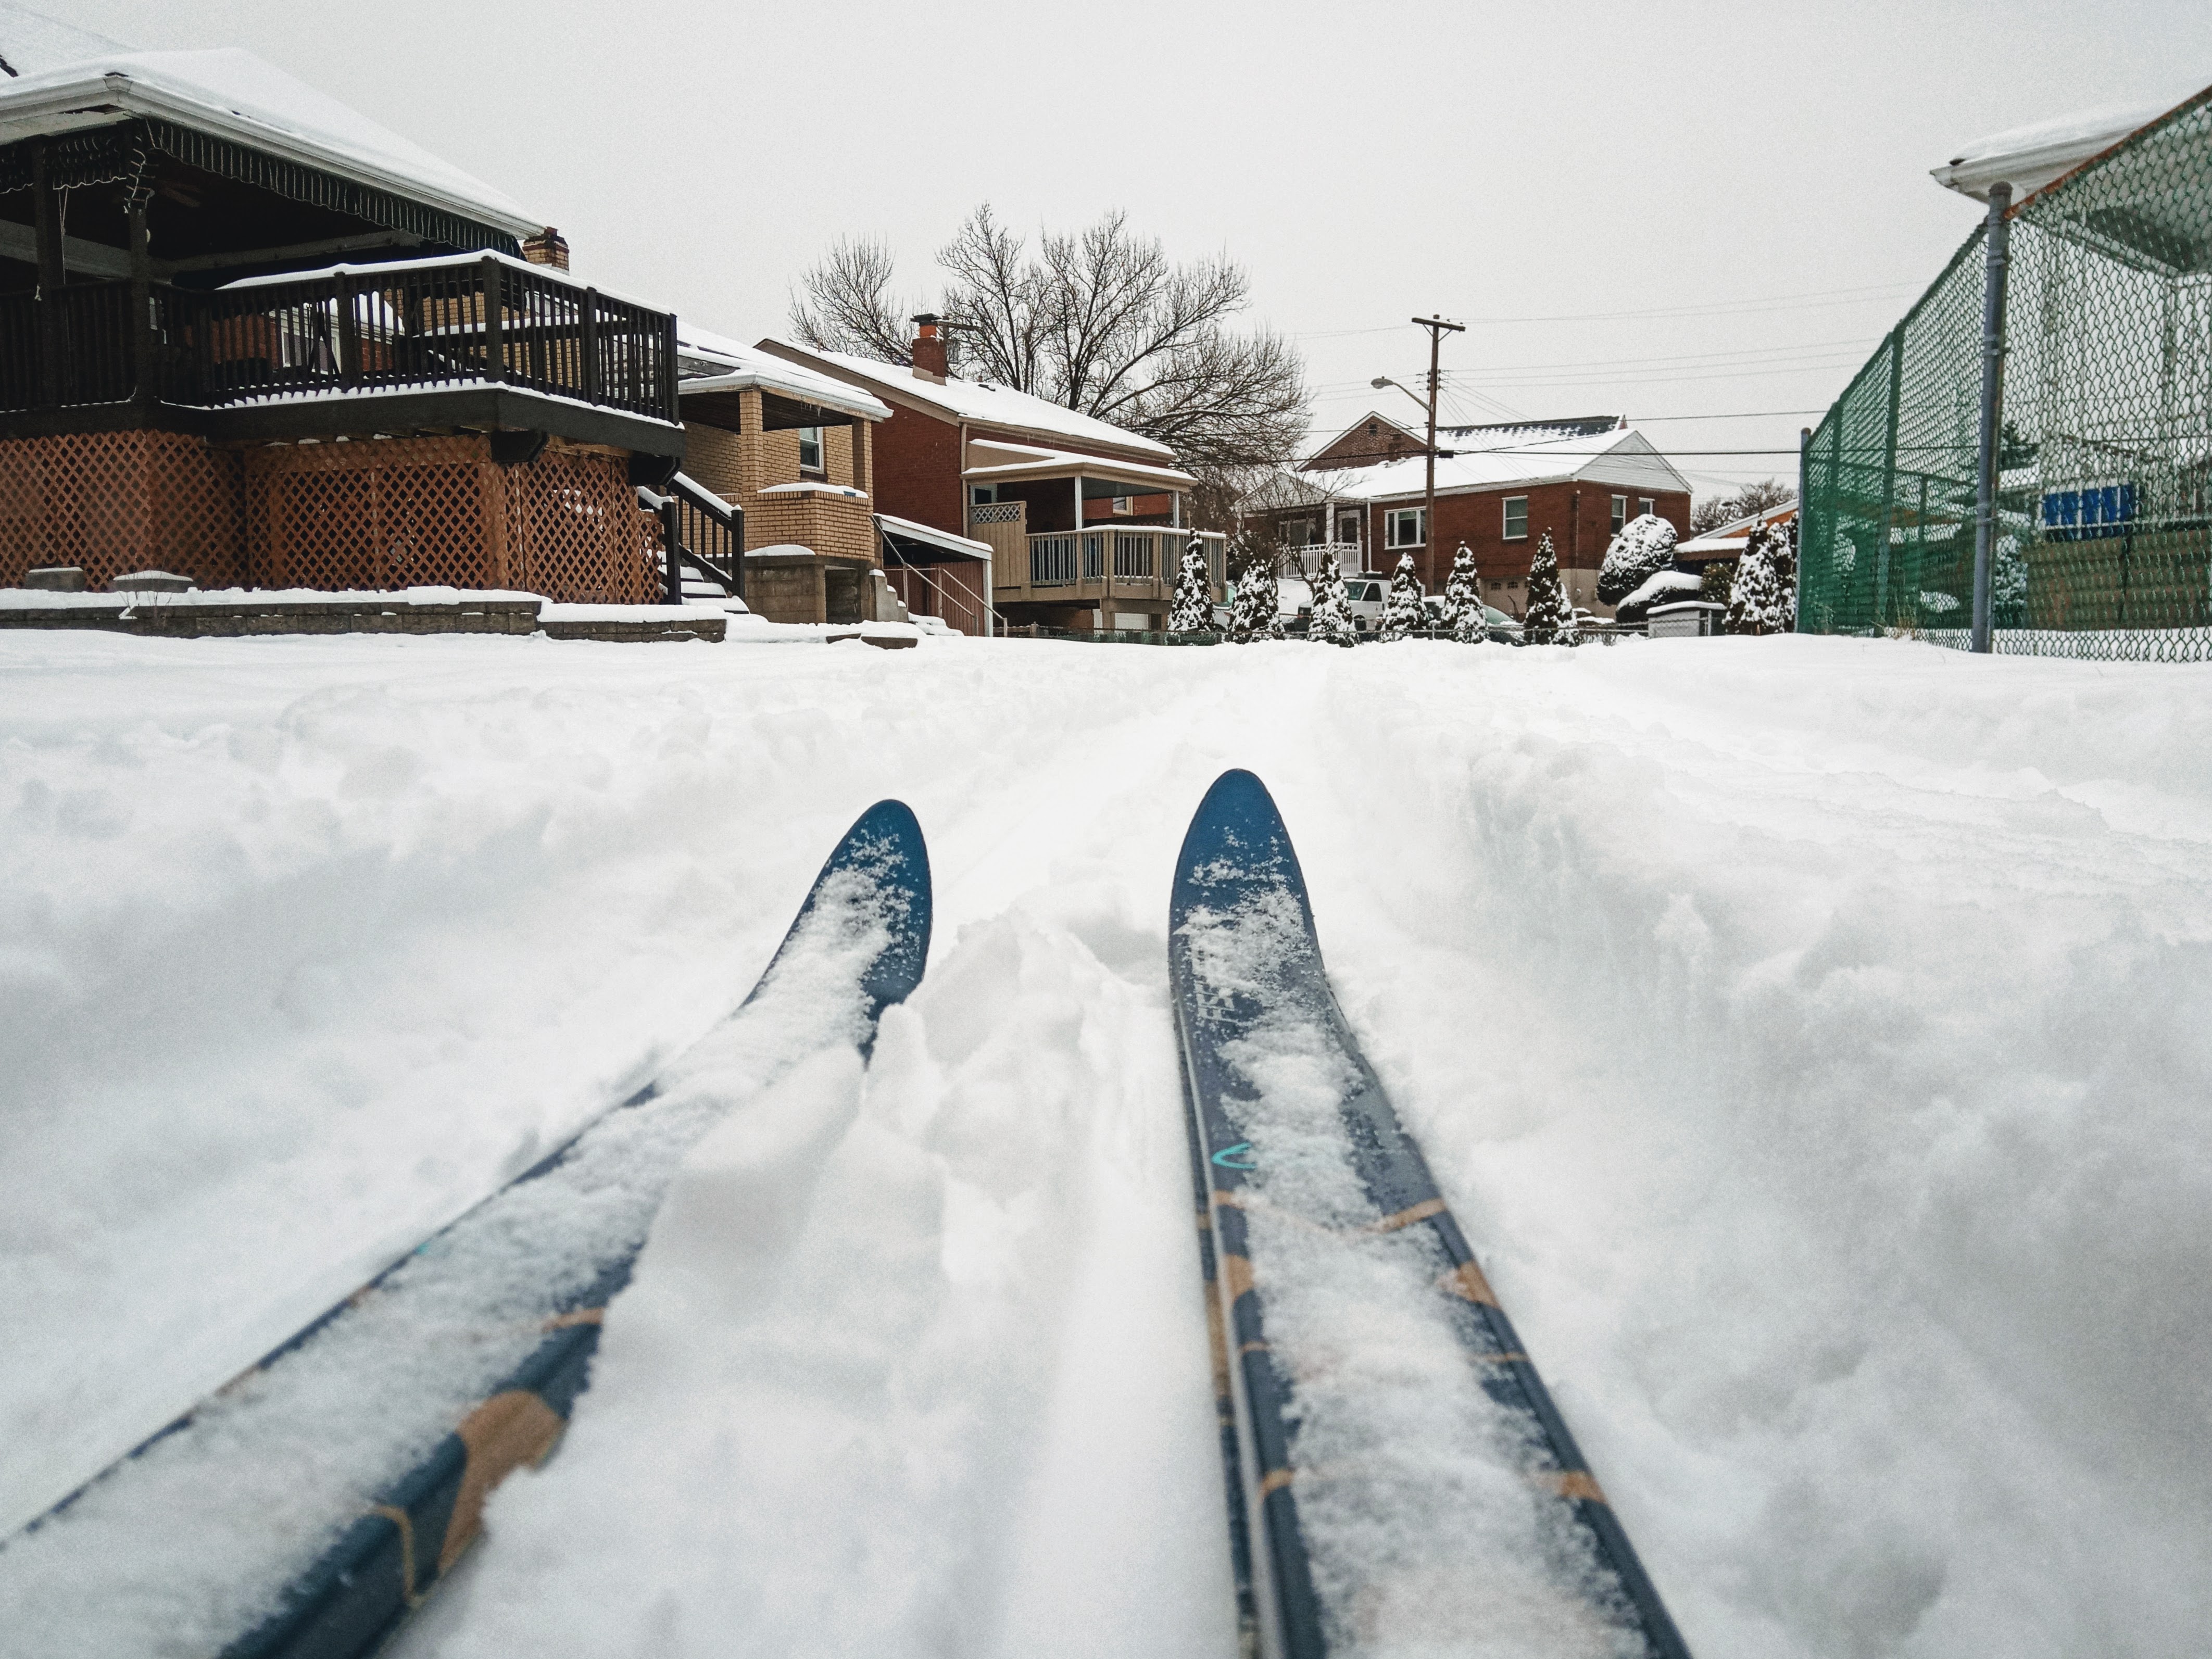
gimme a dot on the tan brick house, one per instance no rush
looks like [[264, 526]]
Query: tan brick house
[[792, 449], [1499, 489], [1085, 523]]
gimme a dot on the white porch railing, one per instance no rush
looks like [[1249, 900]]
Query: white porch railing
[[1309, 557]]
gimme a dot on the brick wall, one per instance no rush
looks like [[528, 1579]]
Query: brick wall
[[739, 465], [917, 471], [834, 524]]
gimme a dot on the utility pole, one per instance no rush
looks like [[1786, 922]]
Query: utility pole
[[1437, 328]]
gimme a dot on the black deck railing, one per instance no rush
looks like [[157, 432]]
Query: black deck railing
[[420, 327], [711, 532]]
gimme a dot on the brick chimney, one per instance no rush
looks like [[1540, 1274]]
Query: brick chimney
[[928, 347], [548, 247]]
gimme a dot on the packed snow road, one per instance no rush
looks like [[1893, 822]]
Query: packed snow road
[[1811, 1035]]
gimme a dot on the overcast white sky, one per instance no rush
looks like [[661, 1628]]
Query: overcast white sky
[[1707, 209]]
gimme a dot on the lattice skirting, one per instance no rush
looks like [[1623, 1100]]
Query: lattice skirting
[[408, 512], [114, 502]]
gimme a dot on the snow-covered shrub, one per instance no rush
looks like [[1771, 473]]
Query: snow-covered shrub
[[2009, 585], [1764, 599], [1256, 610], [1668, 587], [1192, 611], [1463, 601], [1402, 612], [1644, 547], [1548, 621], [1331, 623]]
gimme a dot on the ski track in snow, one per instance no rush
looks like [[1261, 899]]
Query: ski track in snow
[[1809, 1034]]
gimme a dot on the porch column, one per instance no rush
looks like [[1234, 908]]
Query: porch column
[[149, 382]]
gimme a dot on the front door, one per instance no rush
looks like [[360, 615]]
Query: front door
[[1348, 530]]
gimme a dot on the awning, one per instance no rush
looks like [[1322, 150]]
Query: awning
[[929, 536], [1029, 461]]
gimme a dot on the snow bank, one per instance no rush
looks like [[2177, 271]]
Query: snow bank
[[1832, 1141]]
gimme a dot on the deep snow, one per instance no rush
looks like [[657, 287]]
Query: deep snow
[[1834, 1140]]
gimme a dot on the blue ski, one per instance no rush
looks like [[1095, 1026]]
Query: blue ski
[[1318, 1213], [518, 1284]]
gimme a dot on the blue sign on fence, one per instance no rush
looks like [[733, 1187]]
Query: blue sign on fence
[[2080, 515]]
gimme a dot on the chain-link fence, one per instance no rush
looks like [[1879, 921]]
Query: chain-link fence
[[2103, 540]]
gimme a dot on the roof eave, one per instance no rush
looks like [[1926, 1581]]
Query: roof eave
[[104, 100]]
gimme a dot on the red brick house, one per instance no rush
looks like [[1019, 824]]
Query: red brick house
[[1499, 489], [1085, 522]]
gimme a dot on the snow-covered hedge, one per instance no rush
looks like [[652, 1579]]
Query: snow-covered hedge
[[1644, 547], [1662, 589]]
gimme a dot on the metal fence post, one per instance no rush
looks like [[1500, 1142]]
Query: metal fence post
[[1985, 502]]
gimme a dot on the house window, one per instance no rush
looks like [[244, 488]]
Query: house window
[[1125, 505], [983, 495], [1644, 504], [809, 449], [1404, 526], [1619, 512], [1299, 533], [1516, 518]]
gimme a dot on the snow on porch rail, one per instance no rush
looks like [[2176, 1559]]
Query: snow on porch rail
[[415, 326]]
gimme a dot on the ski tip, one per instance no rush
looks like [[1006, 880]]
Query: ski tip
[[1236, 838], [888, 838]]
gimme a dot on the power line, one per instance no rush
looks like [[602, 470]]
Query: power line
[[1816, 299]]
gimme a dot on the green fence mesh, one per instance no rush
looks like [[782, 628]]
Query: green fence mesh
[[2104, 536]]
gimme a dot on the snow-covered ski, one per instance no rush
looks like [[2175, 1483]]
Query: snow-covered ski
[[342, 1475], [1402, 1473]]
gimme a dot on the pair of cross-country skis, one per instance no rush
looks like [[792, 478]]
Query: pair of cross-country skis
[[1396, 1473]]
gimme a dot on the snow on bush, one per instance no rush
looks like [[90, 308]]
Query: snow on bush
[[1463, 601], [1402, 610], [1665, 588], [2009, 585], [1255, 608], [1548, 622], [1764, 599], [1331, 623], [1192, 609], [1644, 547]]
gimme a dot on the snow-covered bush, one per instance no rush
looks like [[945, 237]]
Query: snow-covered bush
[[1192, 611], [1764, 599], [1548, 621], [1668, 587], [1331, 623], [1402, 612], [1463, 601], [1644, 547], [1255, 611], [2009, 585]]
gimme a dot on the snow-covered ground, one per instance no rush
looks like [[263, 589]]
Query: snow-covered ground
[[1811, 1034]]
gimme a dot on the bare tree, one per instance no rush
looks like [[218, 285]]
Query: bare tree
[[1102, 321], [848, 306], [1716, 510]]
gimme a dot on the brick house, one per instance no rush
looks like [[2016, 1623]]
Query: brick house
[[1499, 489], [1085, 523], [792, 449], [249, 336]]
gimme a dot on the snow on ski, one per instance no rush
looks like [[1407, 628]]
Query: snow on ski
[[1405, 1478], [309, 1506]]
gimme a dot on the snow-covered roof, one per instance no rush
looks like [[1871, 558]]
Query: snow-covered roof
[[236, 95], [981, 401], [2029, 157], [1623, 457], [907, 528], [1033, 461], [30, 43], [1514, 434], [1726, 540], [727, 365]]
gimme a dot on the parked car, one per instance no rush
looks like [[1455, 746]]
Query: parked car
[[1502, 628], [1363, 597]]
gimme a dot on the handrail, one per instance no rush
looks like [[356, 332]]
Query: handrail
[[711, 531]]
